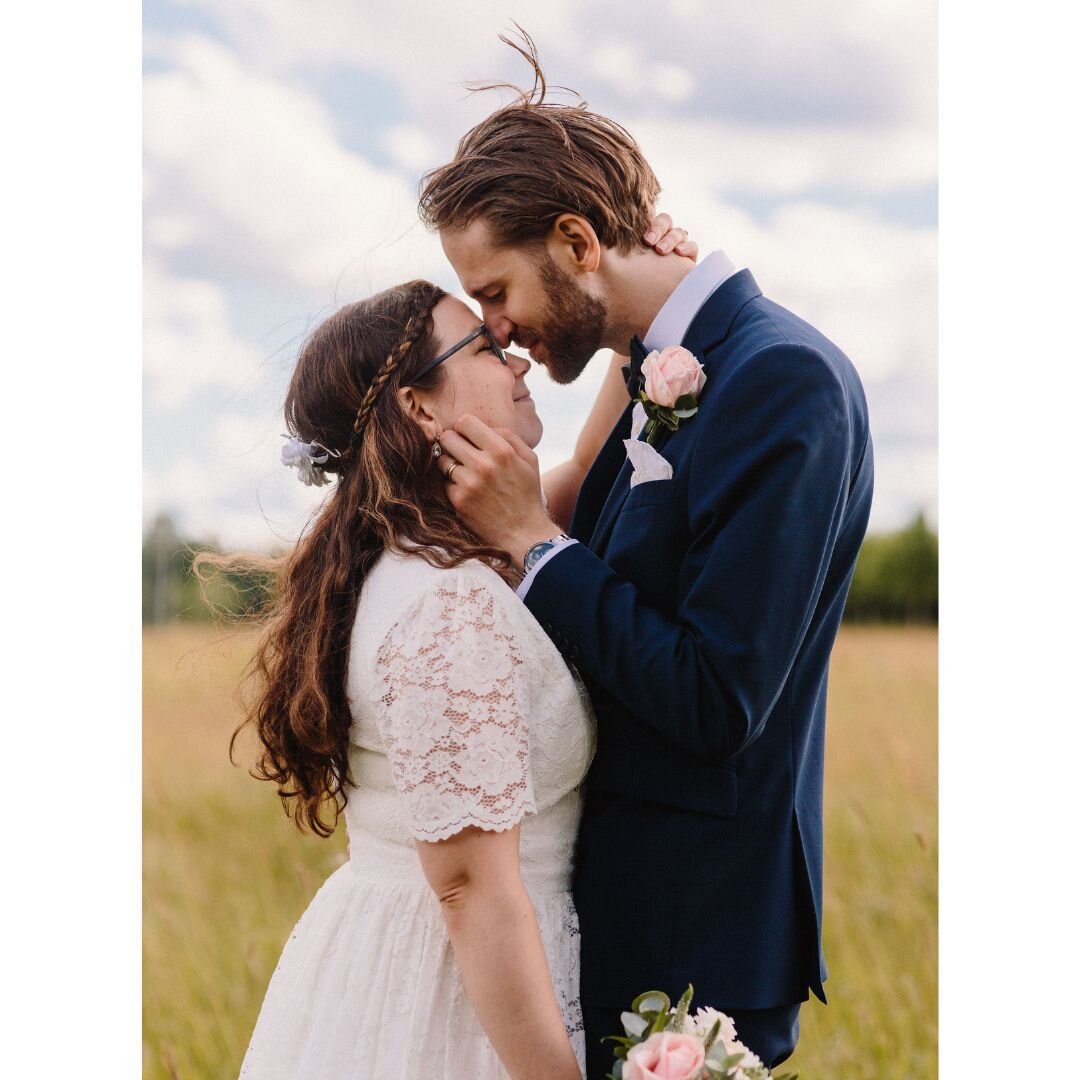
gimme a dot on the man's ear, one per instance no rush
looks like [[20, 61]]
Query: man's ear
[[418, 408], [573, 244]]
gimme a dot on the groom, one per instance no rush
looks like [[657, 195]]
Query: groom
[[700, 608]]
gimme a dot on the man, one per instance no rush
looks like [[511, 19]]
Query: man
[[700, 609]]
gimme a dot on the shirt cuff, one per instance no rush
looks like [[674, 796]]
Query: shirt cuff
[[527, 580]]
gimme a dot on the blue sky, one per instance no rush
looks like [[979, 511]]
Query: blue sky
[[283, 144]]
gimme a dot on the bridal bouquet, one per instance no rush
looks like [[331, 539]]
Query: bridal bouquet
[[662, 1043]]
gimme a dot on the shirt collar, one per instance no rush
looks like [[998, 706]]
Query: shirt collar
[[674, 318]]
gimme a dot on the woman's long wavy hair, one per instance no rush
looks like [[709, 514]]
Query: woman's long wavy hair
[[388, 495]]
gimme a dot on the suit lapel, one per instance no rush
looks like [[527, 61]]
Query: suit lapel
[[599, 480], [711, 325]]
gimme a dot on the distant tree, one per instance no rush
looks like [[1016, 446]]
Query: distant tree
[[896, 577], [171, 590], [162, 572]]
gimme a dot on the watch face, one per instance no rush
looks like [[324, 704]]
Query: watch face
[[536, 553]]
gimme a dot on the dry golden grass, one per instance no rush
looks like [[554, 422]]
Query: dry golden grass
[[226, 875]]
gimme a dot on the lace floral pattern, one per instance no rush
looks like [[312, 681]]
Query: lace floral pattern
[[452, 716]]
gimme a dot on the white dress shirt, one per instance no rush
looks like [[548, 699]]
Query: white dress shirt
[[668, 328]]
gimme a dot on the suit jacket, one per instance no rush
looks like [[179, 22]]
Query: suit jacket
[[701, 612]]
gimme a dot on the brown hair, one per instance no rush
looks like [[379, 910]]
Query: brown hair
[[533, 160], [388, 495]]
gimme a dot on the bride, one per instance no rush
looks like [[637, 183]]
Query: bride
[[401, 682]]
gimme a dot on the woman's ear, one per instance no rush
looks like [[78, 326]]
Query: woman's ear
[[417, 406]]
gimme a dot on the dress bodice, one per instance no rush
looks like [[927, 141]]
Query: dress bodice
[[464, 714]]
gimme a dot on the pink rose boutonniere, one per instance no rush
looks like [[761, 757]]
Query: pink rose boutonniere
[[673, 382]]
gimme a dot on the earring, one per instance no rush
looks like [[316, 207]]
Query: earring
[[436, 449]]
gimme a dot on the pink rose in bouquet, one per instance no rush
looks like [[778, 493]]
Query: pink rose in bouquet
[[672, 374], [665, 1056]]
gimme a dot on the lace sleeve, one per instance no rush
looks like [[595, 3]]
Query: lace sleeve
[[451, 710]]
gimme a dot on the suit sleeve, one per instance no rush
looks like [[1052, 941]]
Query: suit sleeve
[[767, 487]]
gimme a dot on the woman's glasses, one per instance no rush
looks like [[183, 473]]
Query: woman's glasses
[[496, 348]]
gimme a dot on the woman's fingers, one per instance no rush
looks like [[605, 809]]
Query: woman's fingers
[[658, 227], [666, 237]]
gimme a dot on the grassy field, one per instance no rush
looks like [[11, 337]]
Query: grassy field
[[226, 875]]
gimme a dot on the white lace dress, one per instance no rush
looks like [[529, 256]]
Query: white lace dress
[[464, 713]]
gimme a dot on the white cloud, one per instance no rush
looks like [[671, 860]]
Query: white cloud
[[850, 57], [429, 50], [905, 483], [247, 170], [627, 67], [188, 342], [411, 147], [789, 160]]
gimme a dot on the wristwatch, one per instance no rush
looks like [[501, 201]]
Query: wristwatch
[[538, 551]]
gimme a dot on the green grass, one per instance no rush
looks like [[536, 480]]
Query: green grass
[[226, 875]]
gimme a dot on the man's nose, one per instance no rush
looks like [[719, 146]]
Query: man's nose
[[502, 328]]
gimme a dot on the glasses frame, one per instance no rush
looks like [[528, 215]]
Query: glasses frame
[[496, 348]]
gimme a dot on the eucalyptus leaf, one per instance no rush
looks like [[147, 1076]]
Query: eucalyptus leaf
[[732, 1060], [633, 1024], [651, 1001], [686, 401], [684, 414], [660, 1023]]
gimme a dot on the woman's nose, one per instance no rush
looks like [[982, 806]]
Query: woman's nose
[[518, 365]]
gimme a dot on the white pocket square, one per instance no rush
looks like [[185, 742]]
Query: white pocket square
[[649, 463]]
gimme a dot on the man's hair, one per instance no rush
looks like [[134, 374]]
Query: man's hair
[[533, 160]]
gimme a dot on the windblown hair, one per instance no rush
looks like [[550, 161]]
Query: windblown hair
[[388, 496], [533, 160]]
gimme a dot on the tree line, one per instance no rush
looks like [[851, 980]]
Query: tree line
[[895, 580]]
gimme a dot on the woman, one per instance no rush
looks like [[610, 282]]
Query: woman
[[401, 679]]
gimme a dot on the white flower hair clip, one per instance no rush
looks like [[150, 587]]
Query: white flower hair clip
[[307, 459]]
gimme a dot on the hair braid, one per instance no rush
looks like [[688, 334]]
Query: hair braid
[[414, 329]]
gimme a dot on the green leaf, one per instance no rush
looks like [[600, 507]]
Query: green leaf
[[651, 1001], [634, 1024], [732, 1060], [686, 401], [714, 1034], [679, 1018], [685, 414]]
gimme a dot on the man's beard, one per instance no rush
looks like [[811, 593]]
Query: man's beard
[[573, 326]]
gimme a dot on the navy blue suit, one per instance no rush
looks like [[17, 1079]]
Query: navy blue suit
[[701, 612]]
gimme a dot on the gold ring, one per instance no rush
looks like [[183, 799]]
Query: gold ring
[[450, 472]]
